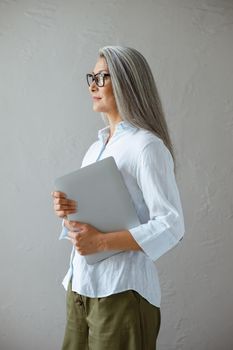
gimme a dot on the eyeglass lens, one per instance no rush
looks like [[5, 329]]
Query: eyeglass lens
[[99, 79]]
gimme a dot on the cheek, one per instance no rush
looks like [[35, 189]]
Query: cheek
[[109, 96]]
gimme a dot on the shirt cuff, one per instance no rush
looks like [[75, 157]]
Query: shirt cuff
[[156, 245], [64, 232]]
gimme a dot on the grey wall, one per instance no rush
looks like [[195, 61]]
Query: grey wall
[[47, 124]]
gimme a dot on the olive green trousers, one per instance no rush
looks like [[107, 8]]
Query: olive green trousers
[[122, 321]]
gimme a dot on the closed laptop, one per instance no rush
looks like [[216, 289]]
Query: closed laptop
[[103, 200]]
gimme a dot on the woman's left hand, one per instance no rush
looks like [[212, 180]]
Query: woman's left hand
[[88, 239]]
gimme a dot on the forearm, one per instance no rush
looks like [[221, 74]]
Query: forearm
[[120, 240], [91, 237]]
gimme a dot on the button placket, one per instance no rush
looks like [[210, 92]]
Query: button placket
[[102, 150], [81, 302], [78, 299]]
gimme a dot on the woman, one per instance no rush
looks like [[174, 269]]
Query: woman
[[115, 304]]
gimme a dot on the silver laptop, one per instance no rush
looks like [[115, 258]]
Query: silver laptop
[[103, 200]]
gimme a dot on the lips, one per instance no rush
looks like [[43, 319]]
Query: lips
[[96, 98]]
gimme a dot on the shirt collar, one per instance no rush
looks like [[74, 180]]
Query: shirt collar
[[120, 127]]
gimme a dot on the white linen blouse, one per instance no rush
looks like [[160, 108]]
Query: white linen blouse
[[148, 171]]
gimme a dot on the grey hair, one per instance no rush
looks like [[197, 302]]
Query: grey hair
[[135, 92]]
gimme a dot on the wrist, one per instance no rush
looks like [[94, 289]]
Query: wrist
[[102, 242], [120, 240], [109, 241]]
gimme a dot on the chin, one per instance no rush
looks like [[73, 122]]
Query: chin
[[98, 109]]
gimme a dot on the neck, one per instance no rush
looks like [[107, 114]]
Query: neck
[[113, 121]]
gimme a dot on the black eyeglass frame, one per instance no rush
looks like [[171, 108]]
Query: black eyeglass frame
[[103, 75]]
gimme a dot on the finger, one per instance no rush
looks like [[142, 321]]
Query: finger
[[64, 213], [61, 214], [73, 235], [72, 225], [64, 207], [65, 201], [58, 194], [81, 251], [68, 225], [77, 224], [71, 211], [77, 227]]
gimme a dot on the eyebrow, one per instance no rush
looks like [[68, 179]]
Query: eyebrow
[[103, 70]]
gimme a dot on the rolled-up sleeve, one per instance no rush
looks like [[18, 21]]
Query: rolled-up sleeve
[[156, 179]]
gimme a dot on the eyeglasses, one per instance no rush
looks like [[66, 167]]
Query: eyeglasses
[[99, 78]]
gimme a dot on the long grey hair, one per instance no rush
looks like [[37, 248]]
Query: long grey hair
[[135, 92]]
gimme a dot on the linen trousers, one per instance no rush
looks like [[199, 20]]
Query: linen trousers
[[121, 321]]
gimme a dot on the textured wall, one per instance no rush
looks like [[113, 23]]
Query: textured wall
[[47, 124]]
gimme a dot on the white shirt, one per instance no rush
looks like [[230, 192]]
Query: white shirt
[[148, 171]]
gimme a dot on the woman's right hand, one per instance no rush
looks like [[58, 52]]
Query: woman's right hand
[[63, 205]]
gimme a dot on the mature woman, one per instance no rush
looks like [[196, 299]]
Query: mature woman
[[115, 303]]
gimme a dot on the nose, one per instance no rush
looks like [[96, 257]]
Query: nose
[[93, 84]]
